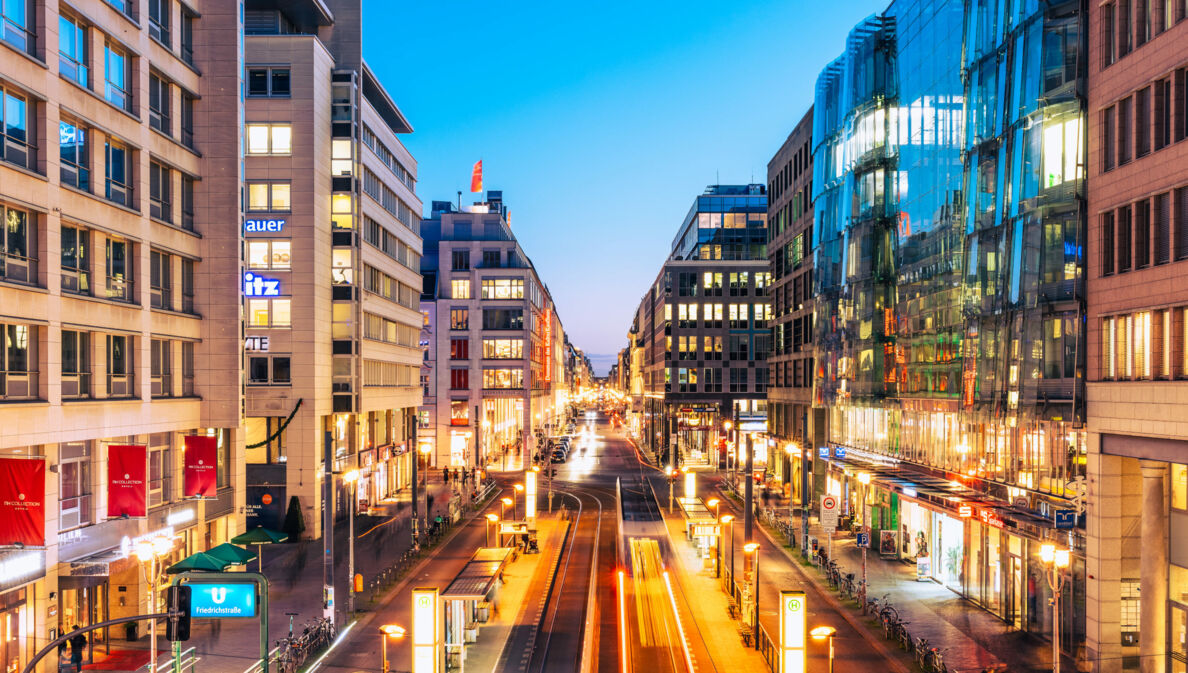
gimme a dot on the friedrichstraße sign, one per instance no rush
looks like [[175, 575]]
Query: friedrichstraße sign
[[829, 506]]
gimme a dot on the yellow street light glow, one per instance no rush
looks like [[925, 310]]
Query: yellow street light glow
[[822, 632], [536, 468], [519, 487], [727, 518], [351, 477], [1048, 553], [728, 425], [751, 547], [506, 501], [492, 518], [393, 631], [1062, 558], [712, 502]]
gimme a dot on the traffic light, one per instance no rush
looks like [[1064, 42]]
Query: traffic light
[[177, 628]]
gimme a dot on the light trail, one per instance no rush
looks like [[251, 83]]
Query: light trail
[[680, 626], [623, 624]]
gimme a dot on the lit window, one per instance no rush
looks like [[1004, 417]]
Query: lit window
[[269, 139], [1062, 151], [342, 211], [460, 289], [269, 312], [342, 271], [341, 161], [266, 196], [502, 288], [269, 254]]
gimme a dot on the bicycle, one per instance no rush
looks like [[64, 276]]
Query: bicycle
[[936, 661], [902, 636], [847, 585]]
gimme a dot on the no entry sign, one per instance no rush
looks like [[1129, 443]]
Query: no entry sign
[[829, 513]]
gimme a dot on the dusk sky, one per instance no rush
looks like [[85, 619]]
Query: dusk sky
[[600, 121]]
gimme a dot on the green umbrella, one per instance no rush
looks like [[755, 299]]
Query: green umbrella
[[199, 561], [236, 556], [260, 536]]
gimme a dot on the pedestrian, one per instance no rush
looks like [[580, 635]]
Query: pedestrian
[[445, 475], [77, 644]]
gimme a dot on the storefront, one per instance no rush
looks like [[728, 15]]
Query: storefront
[[19, 571], [697, 434]]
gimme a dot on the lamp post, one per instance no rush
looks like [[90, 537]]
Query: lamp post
[[389, 631], [726, 520], [151, 551], [751, 553], [727, 426], [864, 479], [825, 633], [492, 522], [519, 488], [504, 503], [421, 450], [1055, 560], [351, 478], [671, 472]]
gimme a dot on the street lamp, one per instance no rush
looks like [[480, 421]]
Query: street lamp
[[389, 631], [492, 521], [751, 554], [671, 472], [351, 478], [727, 426], [1056, 560], [151, 550], [504, 503], [825, 633]]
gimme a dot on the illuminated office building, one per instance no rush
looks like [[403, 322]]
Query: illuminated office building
[[331, 282], [949, 199], [494, 374]]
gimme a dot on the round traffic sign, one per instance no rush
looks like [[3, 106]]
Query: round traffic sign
[[829, 502]]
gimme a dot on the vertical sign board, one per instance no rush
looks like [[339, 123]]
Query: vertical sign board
[[427, 648], [690, 485], [530, 495], [793, 631], [829, 513]]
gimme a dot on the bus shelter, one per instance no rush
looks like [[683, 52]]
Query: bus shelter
[[470, 598]]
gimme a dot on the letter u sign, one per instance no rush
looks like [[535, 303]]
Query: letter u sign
[[218, 595]]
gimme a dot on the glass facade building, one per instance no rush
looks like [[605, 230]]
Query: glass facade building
[[948, 193]]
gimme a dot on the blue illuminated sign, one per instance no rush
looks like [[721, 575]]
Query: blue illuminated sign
[[222, 600], [839, 452], [823, 451], [263, 226], [259, 286]]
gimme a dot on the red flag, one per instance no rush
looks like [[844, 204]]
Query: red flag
[[22, 502], [201, 458], [476, 177], [127, 484]]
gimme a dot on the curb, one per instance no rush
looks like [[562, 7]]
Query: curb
[[876, 644]]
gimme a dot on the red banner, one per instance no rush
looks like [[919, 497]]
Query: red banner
[[22, 502], [127, 483], [201, 469], [476, 177]]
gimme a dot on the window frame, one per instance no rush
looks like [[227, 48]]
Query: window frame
[[272, 149], [117, 93]]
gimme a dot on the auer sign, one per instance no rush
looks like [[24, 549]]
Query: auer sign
[[254, 226]]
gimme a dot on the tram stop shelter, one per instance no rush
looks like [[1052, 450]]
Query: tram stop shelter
[[470, 597], [701, 528]]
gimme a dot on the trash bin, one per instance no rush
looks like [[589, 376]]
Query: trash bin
[[131, 631]]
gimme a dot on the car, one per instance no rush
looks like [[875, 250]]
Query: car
[[558, 457]]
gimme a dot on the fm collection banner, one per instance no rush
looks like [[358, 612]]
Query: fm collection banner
[[22, 502], [127, 483], [201, 466]]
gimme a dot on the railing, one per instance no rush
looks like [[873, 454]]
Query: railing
[[186, 660], [72, 70], [76, 385], [18, 385], [162, 385], [119, 289], [76, 281], [18, 268], [119, 385]]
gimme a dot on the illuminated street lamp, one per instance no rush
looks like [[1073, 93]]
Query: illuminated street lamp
[[825, 633], [389, 631], [1056, 560], [504, 503], [671, 472], [351, 478], [492, 521], [727, 520], [151, 551], [751, 554], [519, 488]]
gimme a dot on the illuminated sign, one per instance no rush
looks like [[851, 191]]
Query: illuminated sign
[[180, 516], [259, 286], [19, 567], [990, 518], [223, 600], [823, 451], [792, 631], [690, 485], [706, 530], [263, 226], [839, 452], [965, 511], [530, 494], [548, 339], [256, 344], [426, 631]]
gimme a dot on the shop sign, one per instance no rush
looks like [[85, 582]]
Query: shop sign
[[265, 507], [990, 518], [20, 567], [261, 226], [753, 426], [180, 517], [793, 631], [256, 344], [258, 286], [223, 600], [823, 452], [923, 567], [90, 569], [839, 452], [965, 511], [706, 530], [1065, 518]]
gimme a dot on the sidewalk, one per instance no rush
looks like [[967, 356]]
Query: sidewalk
[[295, 574], [972, 637]]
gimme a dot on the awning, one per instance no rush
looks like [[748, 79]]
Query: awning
[[476, 579]]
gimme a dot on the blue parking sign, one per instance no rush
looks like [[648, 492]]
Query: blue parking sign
[[863, 540]]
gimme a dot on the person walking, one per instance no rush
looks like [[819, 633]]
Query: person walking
[[77, 645]]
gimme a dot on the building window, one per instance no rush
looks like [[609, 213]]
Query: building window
[[76, 264], [762, 313], [74, 484], [158, 471], [1180, 206], [738, 380], [1142, 122], [1108, 39], [1124, 131], [1107, 243], [460, 260], [16, 145], [264, 139], [269, 370], [187, 37], [1122, 24], [460, 379], [124, 7], [118, 173], [159, 104], [119, 270], [738, 284], [159, 14], [187, 285], [1161, 221], [72, 50], [459, 318], [268, 82], [273, 312], [502, 288], [503, 379], [712, 347], [120, 370], [160, 192], [72, 140], [187, 203], [161, 368], [187, 368], [459, 412], [265, 254], [503, 318], [738, 316], [1162, 126], [18, 241], [503, 349], [1142, 234], [740, 346], [1108, 142], [160, 280], [18, 362], [116, 75], [459, 349], [491, 259], [711, 380], [460, 289], [269, 196], [187, 120], [761, 379], [14, 24], [1124, 239]]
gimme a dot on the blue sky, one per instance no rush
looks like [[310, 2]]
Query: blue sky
[[600, 121]]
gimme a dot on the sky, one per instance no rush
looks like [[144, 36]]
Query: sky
[[600, 121]]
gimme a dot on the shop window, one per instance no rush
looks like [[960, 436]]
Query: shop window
[[1179, 492], [459, 412]]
